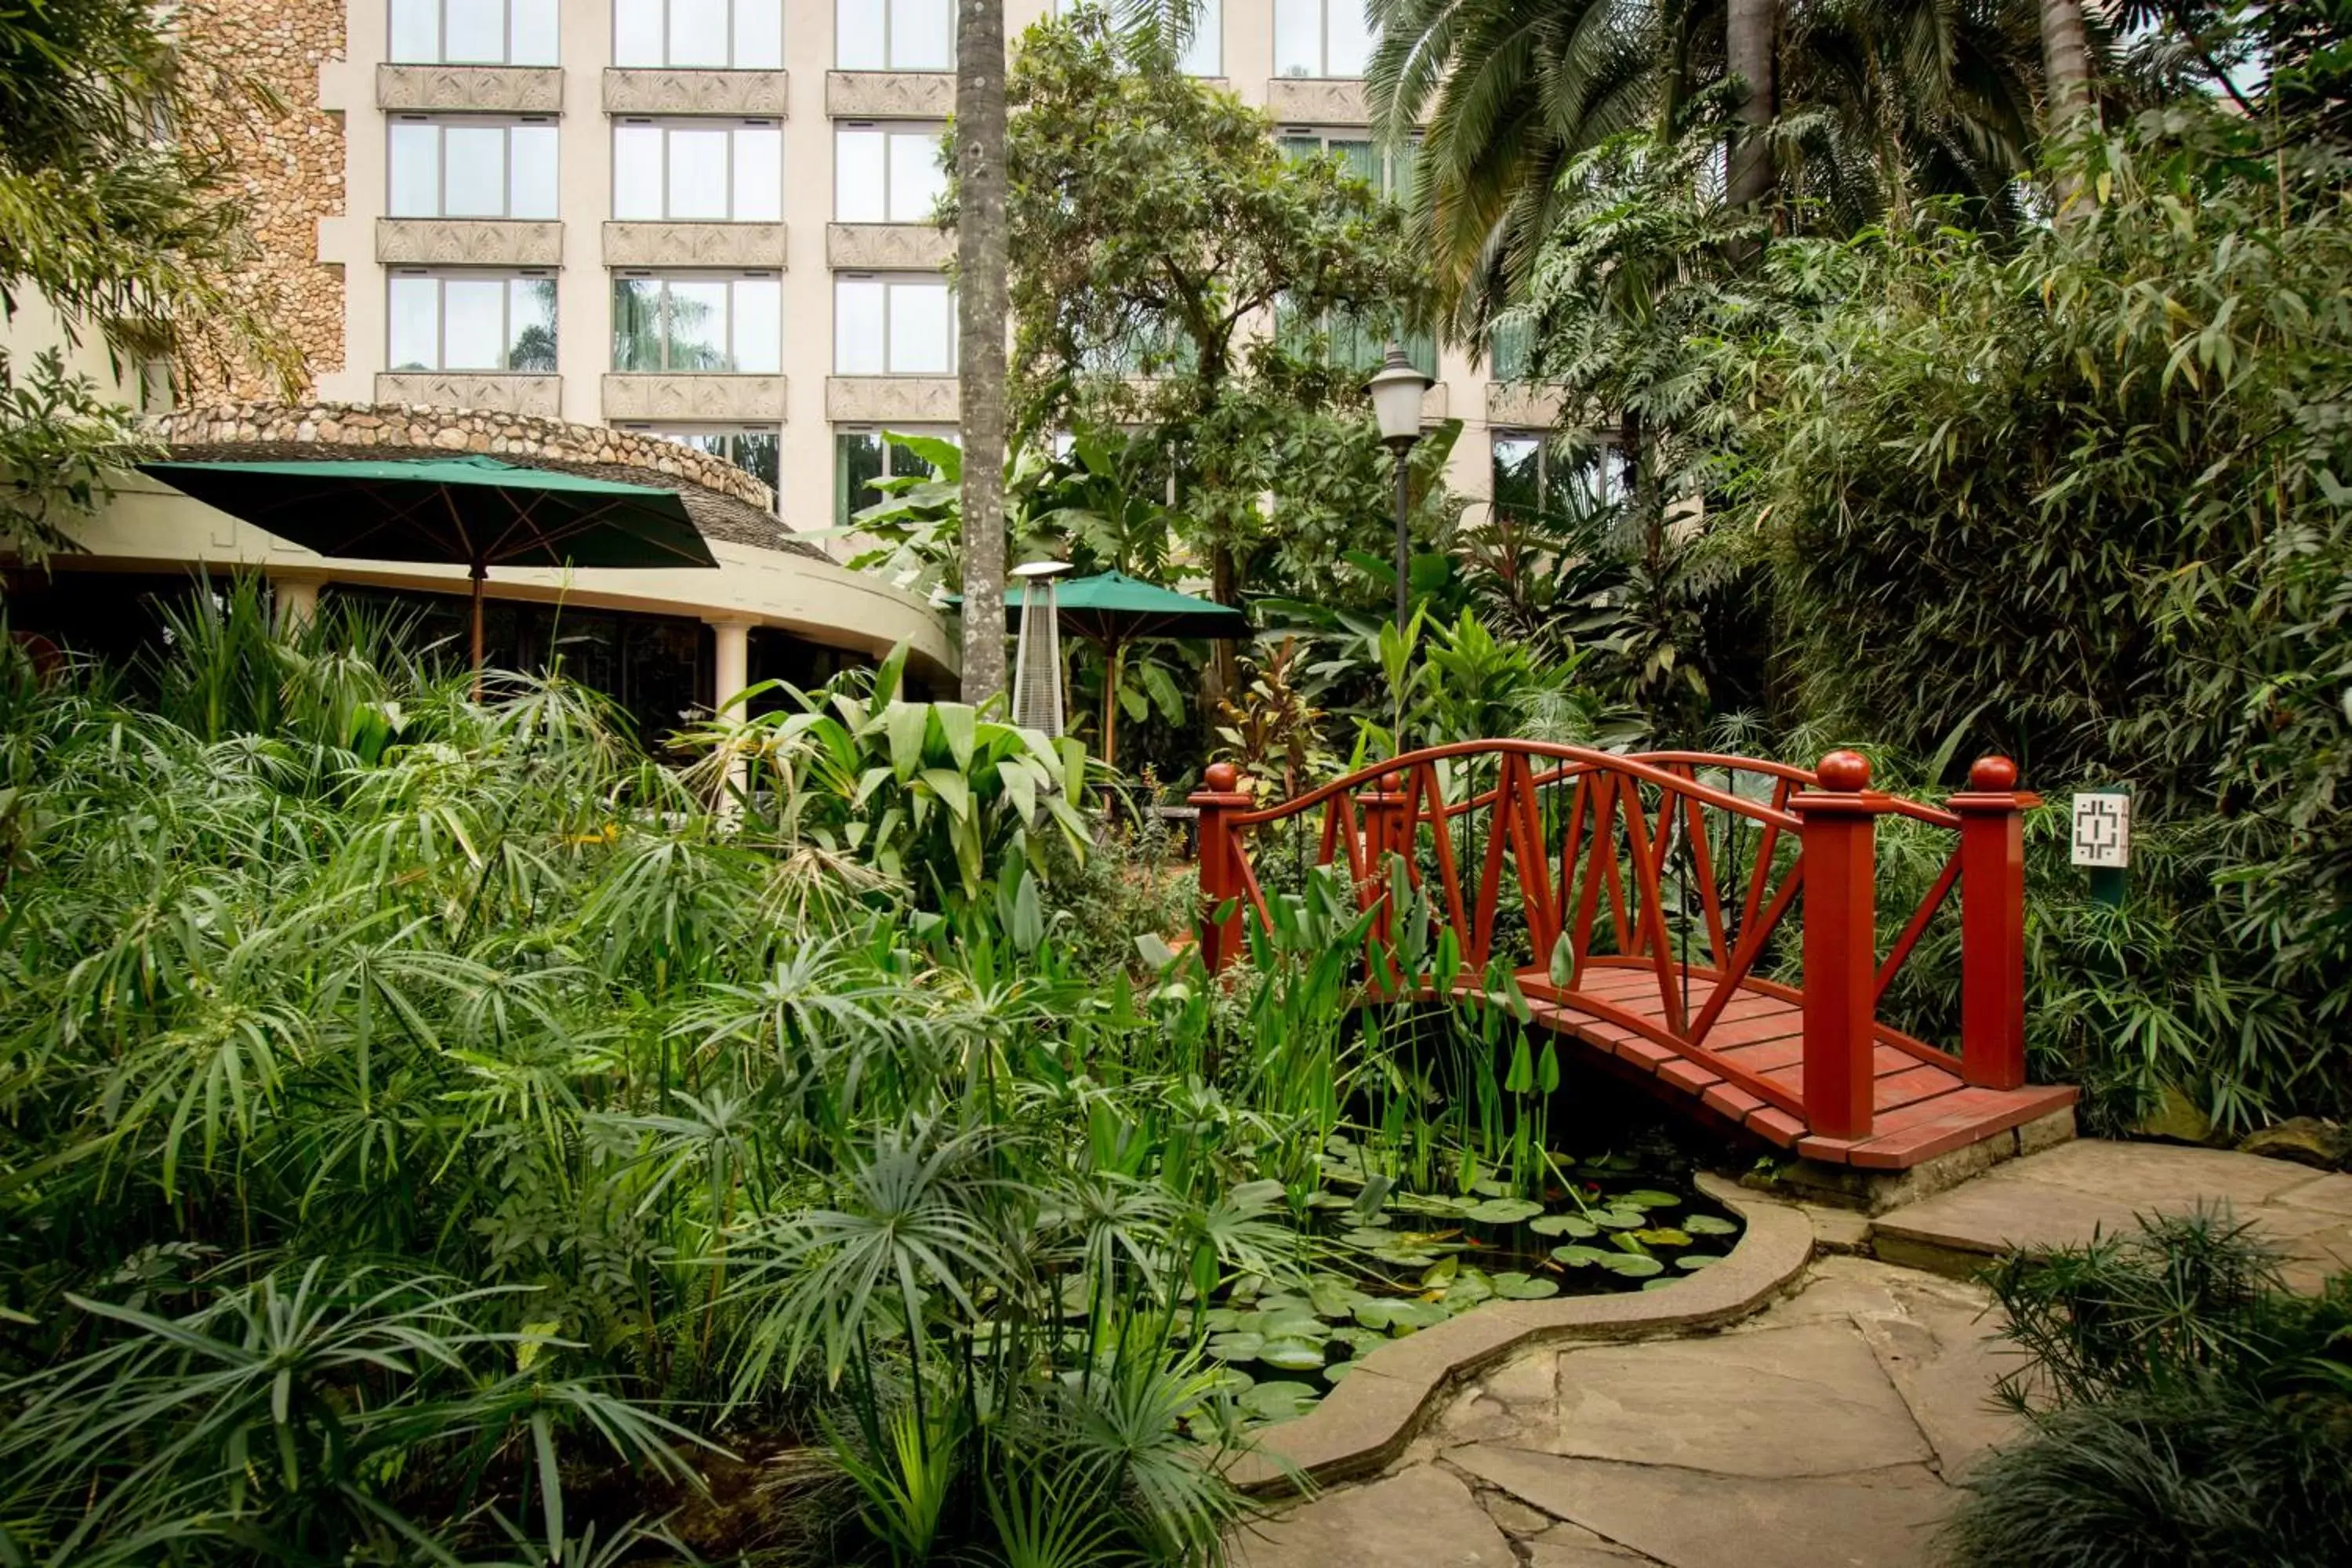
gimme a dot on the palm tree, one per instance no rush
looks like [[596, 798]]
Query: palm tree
[[1903, 97], [1749, 48], [980, 261], [2065, 61]]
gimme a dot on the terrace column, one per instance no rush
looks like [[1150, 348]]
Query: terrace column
[[297, 593], [731, 672], [1992, 923], [1840, 831]]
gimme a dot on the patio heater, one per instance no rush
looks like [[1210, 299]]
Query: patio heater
[[1037, 664]]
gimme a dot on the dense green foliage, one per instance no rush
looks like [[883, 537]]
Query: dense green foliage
[[133, 234], [432, 1131], [2185, 1409]]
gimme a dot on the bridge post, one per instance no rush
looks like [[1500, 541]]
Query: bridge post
[[1841, 944], [1221, 869], [1992, 923]]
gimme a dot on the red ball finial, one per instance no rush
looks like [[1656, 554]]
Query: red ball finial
[[1847, 773], [1992, 774], [1222, 778]]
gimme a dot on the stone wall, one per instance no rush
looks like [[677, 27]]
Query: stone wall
[[420, 427], [289, 171]]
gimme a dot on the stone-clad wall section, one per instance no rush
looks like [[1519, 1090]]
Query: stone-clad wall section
[[418, 426], [288, 171]]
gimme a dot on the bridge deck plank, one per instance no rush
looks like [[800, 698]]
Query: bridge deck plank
[[1919, 1108]]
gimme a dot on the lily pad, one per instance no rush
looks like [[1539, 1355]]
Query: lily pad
[[1563, 1224], [1577, 1254], [1285, 1301], [1708, 1224], [1619, 1218], [1230, 1381], [1468, 1290], [1222, 1319], [1333, 1298], [1379, 1312], [1412, 1315], [1279, 1401], [1695, 1261], [1650, 1198], [1658, 1284], [1293, 1326], [1632, 1265], [1337, 1370], [1292, 1355], [1364, 1236], [1490, 1188], [1236, 1347], [1503, 1211], [1661, 1235], [1513, 1285]]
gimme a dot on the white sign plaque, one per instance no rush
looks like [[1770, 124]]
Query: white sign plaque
[[2102, 830]]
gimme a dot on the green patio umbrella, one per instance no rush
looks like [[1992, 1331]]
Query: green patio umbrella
[[461, 511], [1113, 609]]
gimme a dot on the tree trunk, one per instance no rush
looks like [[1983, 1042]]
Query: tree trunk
[[2067, 87], [980, 260], [1750, 28], [2065, 64], [1224, 666]]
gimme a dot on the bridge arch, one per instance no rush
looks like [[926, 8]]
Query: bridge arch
[[1635, 898]]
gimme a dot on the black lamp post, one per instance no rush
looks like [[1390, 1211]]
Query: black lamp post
[[1396, 388]]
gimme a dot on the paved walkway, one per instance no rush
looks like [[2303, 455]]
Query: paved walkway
[[1826, 1432], [2062, 1195]]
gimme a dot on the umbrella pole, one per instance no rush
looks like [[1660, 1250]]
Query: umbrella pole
[[478, 573], [1110, 707]]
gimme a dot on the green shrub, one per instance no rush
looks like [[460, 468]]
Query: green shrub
[[2185, 1409]]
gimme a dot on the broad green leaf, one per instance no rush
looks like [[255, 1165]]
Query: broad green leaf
[[953, 790], [907, 724], [959, 724]]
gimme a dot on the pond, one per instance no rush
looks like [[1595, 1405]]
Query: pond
[[1395, 1262]]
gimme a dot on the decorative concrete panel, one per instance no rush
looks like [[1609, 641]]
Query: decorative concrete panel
[[468, 242], [477, 89], [541, 396], [889, 95], [754, 93], [1316, 101], [747, 399], [888, 247], [891, 399], [1522, 404], [694, 245]]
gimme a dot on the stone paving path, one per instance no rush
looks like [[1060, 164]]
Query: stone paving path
[[1825, 1431], [2064, 1195]]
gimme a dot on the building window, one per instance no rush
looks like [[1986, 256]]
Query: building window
[[1321, 38], [472, 320], [1389, 173], [886, 173], [471, 168], [1357, 341], [698, 35], [699, 170], [474, 32], [1203, 53], [893, 34], [1508, 350], [860, 456], [698, 325], [893, 326], [1532, 478], [754, 448]]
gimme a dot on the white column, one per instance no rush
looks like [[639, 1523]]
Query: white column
[[731, 672], [731, 666], [297, 598]]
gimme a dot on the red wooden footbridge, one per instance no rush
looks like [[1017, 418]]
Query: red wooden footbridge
[[1635, 898]]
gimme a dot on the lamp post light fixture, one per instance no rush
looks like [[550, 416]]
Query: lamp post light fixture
[[1397, 388]]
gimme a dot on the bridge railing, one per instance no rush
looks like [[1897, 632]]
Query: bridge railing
[[1684, 864]]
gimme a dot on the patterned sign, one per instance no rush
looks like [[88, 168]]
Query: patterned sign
[[2102, 830]]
